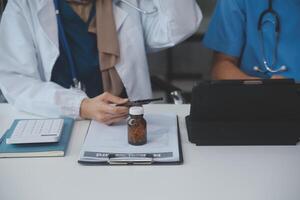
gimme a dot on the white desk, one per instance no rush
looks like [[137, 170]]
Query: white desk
[[208, 173]]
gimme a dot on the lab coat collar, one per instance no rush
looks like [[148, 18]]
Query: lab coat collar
[[120, 15], [46, 11]]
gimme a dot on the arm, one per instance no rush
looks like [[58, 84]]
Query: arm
[[226, 67], [226, 37], [175, 21], [22, 85], [20, 79]]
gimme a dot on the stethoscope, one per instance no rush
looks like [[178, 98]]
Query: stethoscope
[[65, 45], [269, 67], [145, 12]]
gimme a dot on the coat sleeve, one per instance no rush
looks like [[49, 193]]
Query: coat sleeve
[[175, 21], [20, 77]]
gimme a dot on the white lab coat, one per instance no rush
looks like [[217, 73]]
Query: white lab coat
[[29, 48]]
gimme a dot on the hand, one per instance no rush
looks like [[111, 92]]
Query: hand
[[101, 109], [278, 77]]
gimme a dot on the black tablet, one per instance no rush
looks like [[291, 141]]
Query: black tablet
[[245, 112]]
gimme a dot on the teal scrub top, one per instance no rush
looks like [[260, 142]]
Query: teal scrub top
[[233, 31]]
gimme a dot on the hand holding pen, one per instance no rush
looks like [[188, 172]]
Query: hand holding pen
[[103, 108], [107, 108]]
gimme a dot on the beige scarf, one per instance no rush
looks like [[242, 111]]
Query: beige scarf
[[104, 26]]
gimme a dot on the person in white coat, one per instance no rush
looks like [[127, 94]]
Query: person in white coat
[[39, 45]]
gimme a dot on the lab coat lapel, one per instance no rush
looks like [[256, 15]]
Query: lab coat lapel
[[47, 18], [120, 16], [48, 38]]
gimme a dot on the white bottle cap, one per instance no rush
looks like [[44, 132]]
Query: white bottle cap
[[136, 110]]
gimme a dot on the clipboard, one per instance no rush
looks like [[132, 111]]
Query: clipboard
[[146, 160]]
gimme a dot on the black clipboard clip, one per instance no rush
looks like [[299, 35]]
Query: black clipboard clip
[[119, 159]]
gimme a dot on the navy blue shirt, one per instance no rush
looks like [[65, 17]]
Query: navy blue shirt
[[83, 46]]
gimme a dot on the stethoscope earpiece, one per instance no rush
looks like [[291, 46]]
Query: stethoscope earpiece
[[257, 69], [283, 68]]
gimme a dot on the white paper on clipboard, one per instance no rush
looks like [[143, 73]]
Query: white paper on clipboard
[[162, 135]]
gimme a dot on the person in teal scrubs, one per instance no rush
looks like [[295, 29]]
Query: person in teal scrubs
[[246, 47]]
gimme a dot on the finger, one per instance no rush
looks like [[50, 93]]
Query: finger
[[103, 118], [113, 110], [115, 120], [107, 97], [108, 118]]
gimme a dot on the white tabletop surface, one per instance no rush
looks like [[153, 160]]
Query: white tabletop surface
[[208, 173]]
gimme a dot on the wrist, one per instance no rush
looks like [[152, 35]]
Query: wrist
[[84, 108]]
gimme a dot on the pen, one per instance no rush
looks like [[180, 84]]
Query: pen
[[139, 102]]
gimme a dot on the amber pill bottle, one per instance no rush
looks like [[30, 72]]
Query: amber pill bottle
[[137, 127]]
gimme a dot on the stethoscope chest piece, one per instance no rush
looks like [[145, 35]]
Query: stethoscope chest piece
[[78, 85]]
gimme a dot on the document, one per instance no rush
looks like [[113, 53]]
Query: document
[[103, 142]]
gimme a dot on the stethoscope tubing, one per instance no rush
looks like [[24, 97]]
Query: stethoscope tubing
[[65, 44], [145, 12], [269, 68]]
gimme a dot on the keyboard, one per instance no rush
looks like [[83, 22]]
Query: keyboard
[[36, 131]]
